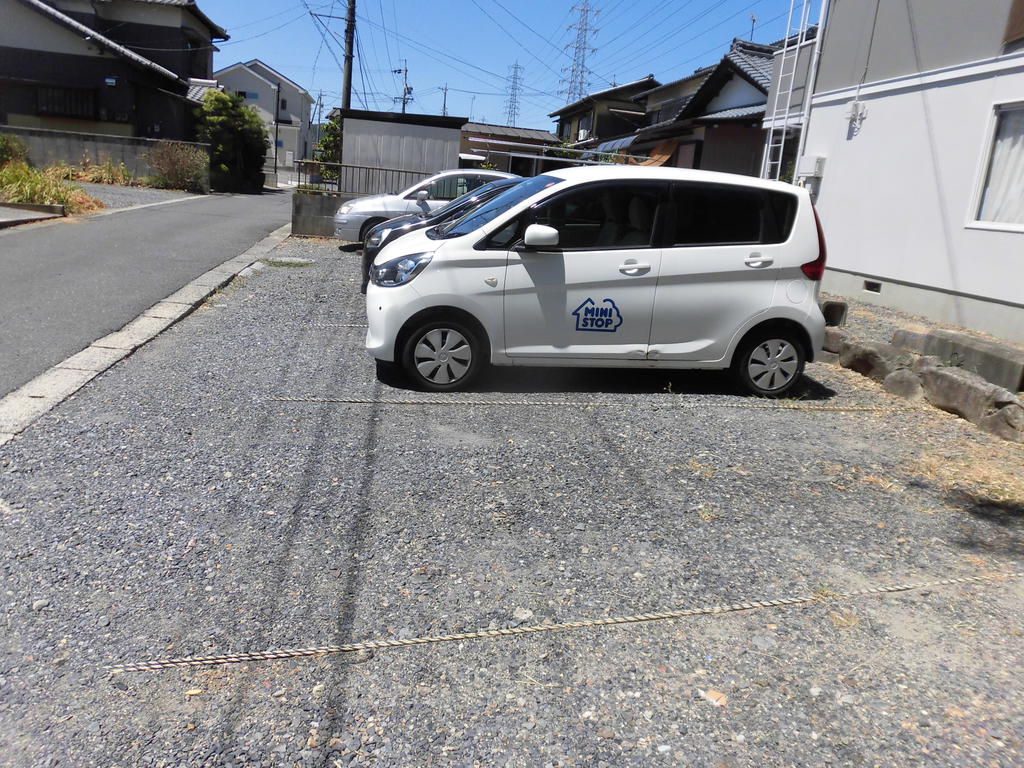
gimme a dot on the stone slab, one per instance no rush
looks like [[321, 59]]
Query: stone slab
[[18, 411], [91, 358], [168, 310], [1001, 363], [136, 333], [55, 384], [190, 294]]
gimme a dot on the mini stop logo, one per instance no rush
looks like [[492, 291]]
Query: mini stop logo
[[604, 317]]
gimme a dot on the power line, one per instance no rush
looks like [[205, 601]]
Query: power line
[[448, 58], [514, 38]]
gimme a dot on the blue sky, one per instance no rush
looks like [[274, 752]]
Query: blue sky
[[470, 45]]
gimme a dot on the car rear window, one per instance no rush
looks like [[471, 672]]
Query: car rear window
[[719, 214]]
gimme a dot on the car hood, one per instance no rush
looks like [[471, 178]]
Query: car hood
[[400, 221], [414, 242], [374, 203]]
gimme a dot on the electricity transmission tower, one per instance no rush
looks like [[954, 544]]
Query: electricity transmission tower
[[515, 83], [578, 84]]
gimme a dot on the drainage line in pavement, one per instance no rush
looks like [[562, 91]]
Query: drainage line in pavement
[[594, 404], [324, 650]]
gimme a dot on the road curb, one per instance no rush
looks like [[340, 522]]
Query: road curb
[[22, 407]]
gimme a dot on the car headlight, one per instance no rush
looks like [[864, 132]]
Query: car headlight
[[345, 209], [377, 237], [399, 271]]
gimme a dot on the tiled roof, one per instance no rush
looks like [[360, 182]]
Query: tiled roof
[[217, 30], [735, 113], [755, 65], [197, 92], [534, 134], [648, 81], [95, 37]]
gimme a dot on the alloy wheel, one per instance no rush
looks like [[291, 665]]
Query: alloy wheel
[[442, 356], [773, 364]]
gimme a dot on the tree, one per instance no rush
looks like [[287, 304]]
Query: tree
[[329, 149], [238, 142]]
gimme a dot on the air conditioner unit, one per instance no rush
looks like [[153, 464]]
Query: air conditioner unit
[[583, 135], [811, 166]]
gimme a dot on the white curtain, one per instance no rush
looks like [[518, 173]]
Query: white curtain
[[1003, 199]]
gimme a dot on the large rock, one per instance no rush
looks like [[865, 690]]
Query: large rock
[[834, 338], [1001, 363], [993, 408], [905, 383], [876, 360]]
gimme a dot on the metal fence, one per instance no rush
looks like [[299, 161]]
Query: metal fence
[[354, 180]]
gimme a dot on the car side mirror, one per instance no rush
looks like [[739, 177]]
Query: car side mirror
[[539, 235], [421, 195]]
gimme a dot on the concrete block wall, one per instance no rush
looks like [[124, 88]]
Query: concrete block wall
[[46, 147], [313, 213]]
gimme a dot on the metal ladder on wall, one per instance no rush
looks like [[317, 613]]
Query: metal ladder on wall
[[778, 133]]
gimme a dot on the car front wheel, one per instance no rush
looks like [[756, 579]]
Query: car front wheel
[[443, 356], [769, 365]]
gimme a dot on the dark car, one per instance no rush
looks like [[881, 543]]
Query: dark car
[[391, 229]]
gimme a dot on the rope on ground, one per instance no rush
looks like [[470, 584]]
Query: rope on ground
[[592, 404], [324, 650]]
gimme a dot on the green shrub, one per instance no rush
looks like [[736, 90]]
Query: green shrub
[[21, 184], [238, 142], [12, 149], [178, 166]]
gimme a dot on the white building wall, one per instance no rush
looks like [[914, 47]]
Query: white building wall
[[262, 96], [400, 145], [899, 195], [735, 93]]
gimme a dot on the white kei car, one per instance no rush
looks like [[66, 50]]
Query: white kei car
[[608, 266]]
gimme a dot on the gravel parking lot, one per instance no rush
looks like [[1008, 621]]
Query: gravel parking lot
[[174, 508], [114, 196]]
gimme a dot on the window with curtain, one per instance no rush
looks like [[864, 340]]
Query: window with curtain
[[1002, 197]]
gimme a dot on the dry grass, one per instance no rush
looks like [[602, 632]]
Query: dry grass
[[992, 473], [844, 619], [19, 183]]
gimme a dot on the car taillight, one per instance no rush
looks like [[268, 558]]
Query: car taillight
[[816, 269]]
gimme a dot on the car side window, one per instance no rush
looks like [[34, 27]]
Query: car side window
[[600, 216], [451, 187], [719, 214], [504, 238]]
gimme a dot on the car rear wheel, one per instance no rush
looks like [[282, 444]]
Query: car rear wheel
[[443, 356], [769, 364]]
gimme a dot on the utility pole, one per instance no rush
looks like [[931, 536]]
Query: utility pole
[[350, 34], [753, 21], [578, 83], [406, 96], [277, 122], [444, 104], [515, 81], [472, 101]]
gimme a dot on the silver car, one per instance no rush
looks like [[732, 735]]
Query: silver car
[[355, 218]]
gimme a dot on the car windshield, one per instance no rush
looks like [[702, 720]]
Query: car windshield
[[490, 210], [478, 195]]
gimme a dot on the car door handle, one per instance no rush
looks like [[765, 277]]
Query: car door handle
[[632, 268], [758, 260]]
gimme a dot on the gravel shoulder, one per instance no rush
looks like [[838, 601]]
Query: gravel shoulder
[[114, 196], [173, 508]]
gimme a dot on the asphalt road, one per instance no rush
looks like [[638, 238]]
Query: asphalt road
[[64, 285], [173, 507]]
